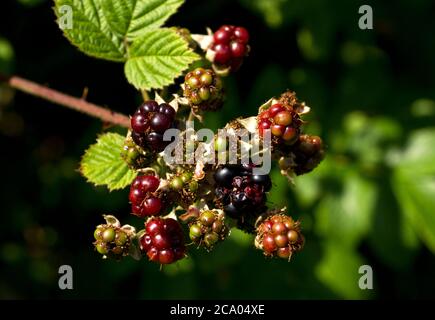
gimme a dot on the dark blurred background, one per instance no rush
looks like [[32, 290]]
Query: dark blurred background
[[372, 201]]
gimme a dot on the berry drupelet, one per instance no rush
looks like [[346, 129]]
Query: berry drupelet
[[163, 240], [150, 122]]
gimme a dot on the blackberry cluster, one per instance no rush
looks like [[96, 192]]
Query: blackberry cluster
[[230, 45], [150, 122], [111, 241], [203, 89], [163, 240], [143, 197], [241, 194], [279, 236], [208, 229], [284, 124]]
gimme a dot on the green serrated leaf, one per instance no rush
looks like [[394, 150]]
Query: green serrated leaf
[[104, 28], [131, 19], [90, 30], [102, 163], [157, 58]]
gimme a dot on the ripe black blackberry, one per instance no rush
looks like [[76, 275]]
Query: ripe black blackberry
[[150, 122], [241, 194]]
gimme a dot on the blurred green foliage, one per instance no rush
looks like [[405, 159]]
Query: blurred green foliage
[[372, 200]]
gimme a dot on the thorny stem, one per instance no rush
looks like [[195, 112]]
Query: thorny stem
[[78, 104]]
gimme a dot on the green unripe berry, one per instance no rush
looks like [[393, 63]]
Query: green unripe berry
[[193, 83], [102, 248], [193, 186], [187, 176], [195, 98], [98, 232], [121, 238], [177, 183], [211, 238], [206, 79], [108, 235], [207, 218], [198, 72], [195, 232], [204, 93], [132, 155]]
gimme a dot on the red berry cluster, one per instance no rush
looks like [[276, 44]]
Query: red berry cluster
[[283, 122], [279, 236], [163, 240], [230, 45], [150, 122], [143, 197]]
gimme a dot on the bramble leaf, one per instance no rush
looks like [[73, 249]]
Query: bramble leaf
[[157, 58], [130, 19], [104, 28], [90, 30], [102, 163]]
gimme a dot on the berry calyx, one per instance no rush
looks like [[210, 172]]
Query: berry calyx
[[143, 197], [163, 240], [149, 123], [203, 89], [230, 46], [279, 236]]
